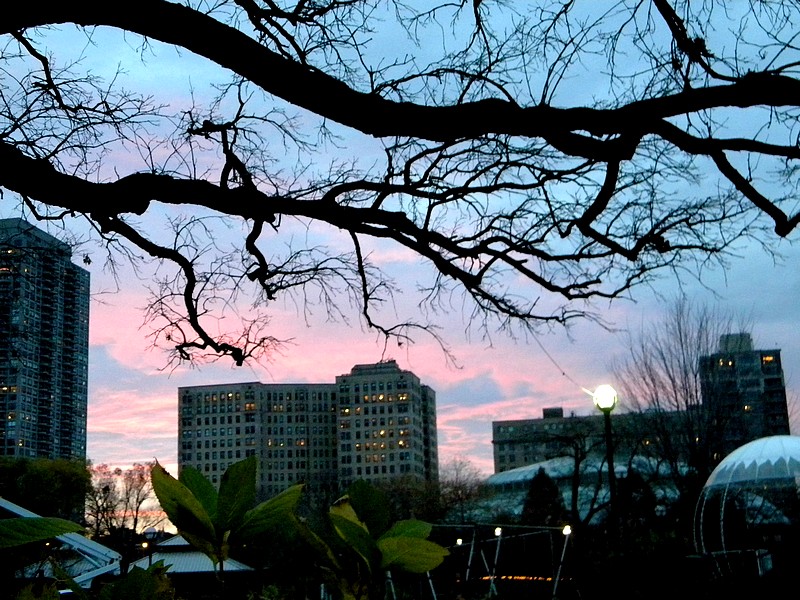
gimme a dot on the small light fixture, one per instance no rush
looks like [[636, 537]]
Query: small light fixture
[[605, 397]]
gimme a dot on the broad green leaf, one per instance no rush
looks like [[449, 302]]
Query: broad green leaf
[[201, 488], [345, 509], [357, 537], [181, 506], [319, 545], [410, 528], [410, 554], [18, 531], [140, 584], [277, 512], [61, 574], [237, 493], [371, 506]]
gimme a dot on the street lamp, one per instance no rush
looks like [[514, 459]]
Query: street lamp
[[498, 533], [566, 531], [150, 535], [605, 399]]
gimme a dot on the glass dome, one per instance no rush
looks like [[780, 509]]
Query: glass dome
[[748, 513]]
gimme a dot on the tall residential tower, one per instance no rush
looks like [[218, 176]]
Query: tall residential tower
[[44, 345]]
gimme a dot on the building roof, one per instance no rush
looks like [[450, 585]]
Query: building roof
[[91, 558], [556, 468], [180, 557], [773, 457]]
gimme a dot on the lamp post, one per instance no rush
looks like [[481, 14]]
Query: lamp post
[[150, 535], [605, 399], [566, 531], [498, 533]]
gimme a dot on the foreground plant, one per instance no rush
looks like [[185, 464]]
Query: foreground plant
[[214, 522], [353, 552], [365, 547]]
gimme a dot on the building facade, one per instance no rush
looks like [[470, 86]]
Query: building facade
[[522, 442], [743, 390], [44, 345], [387, 425], [743, 399], [375, 423]]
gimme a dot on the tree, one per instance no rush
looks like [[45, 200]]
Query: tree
[[544, 504], [660, 378], [47, 487], [121, 500], [138, 496], [534, 157], [460, 483], [103, 501]]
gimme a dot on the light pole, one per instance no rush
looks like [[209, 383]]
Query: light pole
[[150, 535], [566, 531], [605, 399], [498, 533]]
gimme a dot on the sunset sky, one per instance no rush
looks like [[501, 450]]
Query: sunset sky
[[133, 402], [133, 398]]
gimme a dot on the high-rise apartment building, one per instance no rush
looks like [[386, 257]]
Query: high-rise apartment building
[[375, 423], [387, 425], [44, 345], [744, 393]]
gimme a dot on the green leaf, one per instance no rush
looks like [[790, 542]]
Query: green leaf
[[181, 506], [18, 531], [410, 554], [201, 488], [371, 506], [323, 550], [140, 584], [355, 534], [277, 512], [237, 493], [409, 528]]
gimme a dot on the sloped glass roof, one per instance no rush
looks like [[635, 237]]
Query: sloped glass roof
[[774, 457]]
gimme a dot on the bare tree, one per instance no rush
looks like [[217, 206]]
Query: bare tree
[[660, 378], [103, 501], [534, 156], [122, 500], [460, 482]]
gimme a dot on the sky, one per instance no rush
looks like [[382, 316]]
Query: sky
[[132, 413], [133, 400]]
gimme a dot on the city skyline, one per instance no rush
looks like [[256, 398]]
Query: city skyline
[[132, 406]]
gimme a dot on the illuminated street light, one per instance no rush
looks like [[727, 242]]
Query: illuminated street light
[[605, 399], [498, 533], [150, 534], [567, 531]]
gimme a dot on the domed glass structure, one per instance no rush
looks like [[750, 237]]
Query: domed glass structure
[[748, 513]]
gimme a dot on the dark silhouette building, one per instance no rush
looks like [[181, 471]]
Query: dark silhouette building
[[44, 345], [744, 392]]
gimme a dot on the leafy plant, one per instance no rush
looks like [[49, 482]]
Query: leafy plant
[[19, 531], [354, 551], [214, 522], [365, 546]]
